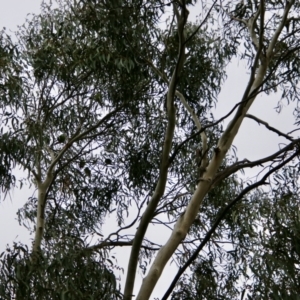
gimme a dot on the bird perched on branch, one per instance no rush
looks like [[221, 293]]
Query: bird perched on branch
[[240, 10]]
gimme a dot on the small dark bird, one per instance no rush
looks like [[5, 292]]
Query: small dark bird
[[108, 161], [87, 171], [240, 10]]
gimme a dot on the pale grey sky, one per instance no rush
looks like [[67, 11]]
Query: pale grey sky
[[253, 141], [12, 14]]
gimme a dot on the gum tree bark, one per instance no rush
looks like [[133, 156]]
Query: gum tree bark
[[183, 224], [161, 184]]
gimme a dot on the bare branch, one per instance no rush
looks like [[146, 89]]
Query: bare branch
[[201, 24], [115, 244], [269, 127], [248, 164]]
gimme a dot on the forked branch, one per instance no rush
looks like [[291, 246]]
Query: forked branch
[[186, 219], [220, 217], [164, 165]]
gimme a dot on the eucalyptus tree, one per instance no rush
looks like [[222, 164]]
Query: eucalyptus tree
[[108, 111]]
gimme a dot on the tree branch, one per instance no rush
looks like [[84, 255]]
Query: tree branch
[[269, 127], [43, 187], [278, 31], [248, 164], [201, 24], [164, 166], [196, 120], [219, 218], [186, 219], [116, 243]]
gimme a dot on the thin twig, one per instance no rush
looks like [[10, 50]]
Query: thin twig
[[270, 127]]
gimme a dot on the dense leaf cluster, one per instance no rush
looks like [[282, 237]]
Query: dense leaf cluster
[[83, 102]]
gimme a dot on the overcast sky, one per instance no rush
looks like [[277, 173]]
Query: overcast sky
[[253, 141], [12, 14]]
